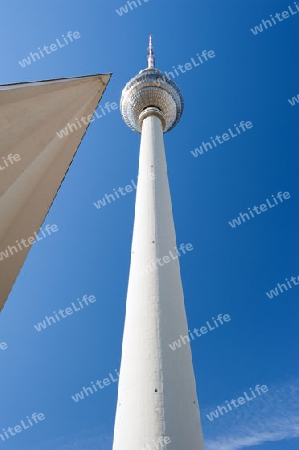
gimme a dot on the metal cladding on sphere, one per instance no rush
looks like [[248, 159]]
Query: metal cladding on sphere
[[151, 88]]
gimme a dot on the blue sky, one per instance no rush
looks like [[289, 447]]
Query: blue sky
[[251, 78]]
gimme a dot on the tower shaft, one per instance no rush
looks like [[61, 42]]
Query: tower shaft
[[157, 393]]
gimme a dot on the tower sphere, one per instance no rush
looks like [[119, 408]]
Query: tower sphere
[[151, 88]]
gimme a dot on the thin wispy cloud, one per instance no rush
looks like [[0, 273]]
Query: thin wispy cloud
[[274, 416], [271, 417]]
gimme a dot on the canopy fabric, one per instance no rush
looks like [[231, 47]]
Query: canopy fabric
[[34, 159]]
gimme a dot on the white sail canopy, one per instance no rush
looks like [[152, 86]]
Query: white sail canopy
[[34, 159]]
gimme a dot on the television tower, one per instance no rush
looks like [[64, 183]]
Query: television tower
[[157, 404]]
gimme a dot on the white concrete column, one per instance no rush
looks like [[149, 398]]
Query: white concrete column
[[157, 393]]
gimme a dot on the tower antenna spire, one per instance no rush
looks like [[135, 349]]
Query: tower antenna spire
[[150, 54]]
